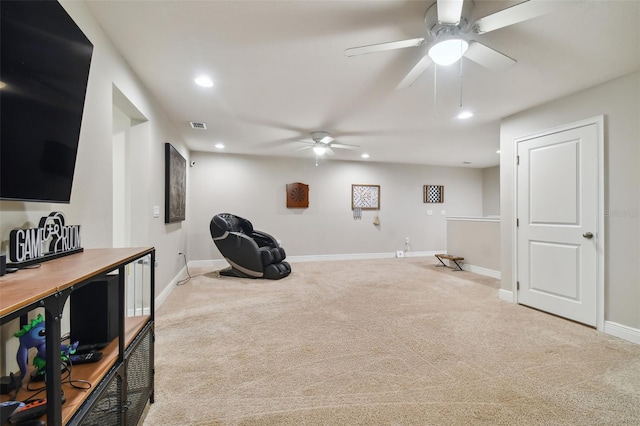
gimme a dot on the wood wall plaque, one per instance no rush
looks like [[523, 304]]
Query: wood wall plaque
[[297, 195]]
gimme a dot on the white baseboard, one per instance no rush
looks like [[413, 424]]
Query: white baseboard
[[622, 331], [422, 253], [506, 295], [482, 271], [212, 263], [221, 263], [134, 312], [357, 256], [168, 289]]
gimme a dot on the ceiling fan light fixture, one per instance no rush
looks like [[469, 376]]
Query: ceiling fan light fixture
[[464, 115], [323, 137], [449, 51], [203, 81], [320, 150]]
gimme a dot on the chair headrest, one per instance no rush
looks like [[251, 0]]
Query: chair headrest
[[226, 222]]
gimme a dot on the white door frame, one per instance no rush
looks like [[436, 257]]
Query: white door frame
[[600, 231]]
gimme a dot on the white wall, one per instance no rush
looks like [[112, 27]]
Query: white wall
[[619, 102], [475, 239], [254, 188], [491, 191]]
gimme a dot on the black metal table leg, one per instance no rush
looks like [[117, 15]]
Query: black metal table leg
[[441, 263], [459, 267]]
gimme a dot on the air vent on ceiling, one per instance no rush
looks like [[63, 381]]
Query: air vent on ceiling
[[196, 125]]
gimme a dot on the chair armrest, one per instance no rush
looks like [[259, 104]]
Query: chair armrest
[[263, 239]]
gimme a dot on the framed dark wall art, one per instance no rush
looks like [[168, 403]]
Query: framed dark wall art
[[175, 189], [365, 197]]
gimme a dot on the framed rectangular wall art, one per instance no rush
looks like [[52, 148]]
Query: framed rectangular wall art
[[433, 193], [365, 197], [175, 192]]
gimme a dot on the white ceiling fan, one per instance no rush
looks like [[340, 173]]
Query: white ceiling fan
[[448, 30], [322, 144]]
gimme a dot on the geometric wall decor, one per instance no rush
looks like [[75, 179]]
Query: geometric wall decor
[[365, 197], [297, 195], [434, 194]]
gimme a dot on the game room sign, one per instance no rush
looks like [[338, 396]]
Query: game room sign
[[50, 240]]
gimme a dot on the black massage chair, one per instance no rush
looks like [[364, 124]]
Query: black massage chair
[[251, 253]]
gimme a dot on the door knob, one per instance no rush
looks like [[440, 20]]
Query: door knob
[[588, 235]]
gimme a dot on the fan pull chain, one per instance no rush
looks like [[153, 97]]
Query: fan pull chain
[[461, 79], [435, 88]]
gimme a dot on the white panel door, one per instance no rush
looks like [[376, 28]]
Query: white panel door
[[557, 212]]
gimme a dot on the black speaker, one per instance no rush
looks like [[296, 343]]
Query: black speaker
[[3, 264], [93, 312]]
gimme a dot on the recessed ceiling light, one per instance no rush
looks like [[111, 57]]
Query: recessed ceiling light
[[465, 114], [498, 152], [204, 81], [365, 156], [219, 145]]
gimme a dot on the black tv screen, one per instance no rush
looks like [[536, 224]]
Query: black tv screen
[[44, 68]]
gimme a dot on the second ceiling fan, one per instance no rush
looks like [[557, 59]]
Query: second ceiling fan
[[448, 30], [322, 144]]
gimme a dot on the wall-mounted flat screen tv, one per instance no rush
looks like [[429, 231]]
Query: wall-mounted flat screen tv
[[44, 68]]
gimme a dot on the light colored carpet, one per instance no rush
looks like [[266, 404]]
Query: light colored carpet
[[388, 342]]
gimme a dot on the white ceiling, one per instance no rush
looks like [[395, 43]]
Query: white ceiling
[[280, 72]]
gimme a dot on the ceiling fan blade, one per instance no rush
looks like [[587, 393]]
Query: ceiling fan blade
[[374, 48], [512, 15], [449, 11], [416, 72], [344, 146], [302, 147], [330, 152], [487, 57]]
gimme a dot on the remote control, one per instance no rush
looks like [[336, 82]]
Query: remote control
[[85, 358], [30, 411]]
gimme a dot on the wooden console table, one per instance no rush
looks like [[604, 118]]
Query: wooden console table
[[48, 287]]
